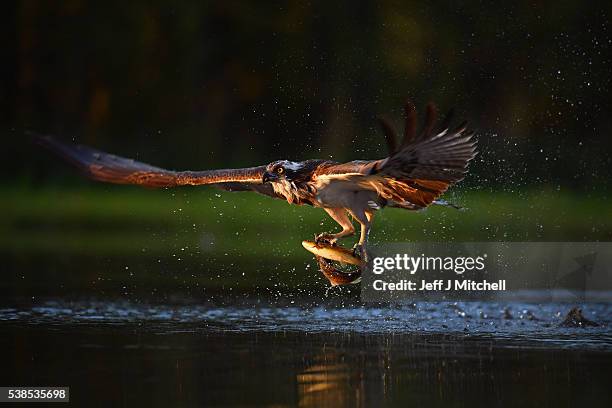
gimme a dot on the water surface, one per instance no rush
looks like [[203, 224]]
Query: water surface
[[309, 353]]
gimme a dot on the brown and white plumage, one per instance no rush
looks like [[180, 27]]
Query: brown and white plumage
[[414, 175]]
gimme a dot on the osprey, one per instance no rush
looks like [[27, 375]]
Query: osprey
[[413, 176]]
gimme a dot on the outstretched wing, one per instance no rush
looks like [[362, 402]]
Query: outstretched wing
[[109, 168], [440, 156], [418, 170], [426, 164]]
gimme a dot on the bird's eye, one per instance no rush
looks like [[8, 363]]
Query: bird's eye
[[280, 170]]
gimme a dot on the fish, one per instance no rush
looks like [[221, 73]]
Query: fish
[[332, 252], [335, 276], [326, 254]]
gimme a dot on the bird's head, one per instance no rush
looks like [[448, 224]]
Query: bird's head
[[281, 170]]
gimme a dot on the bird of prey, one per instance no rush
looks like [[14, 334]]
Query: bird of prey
[[414, 175]]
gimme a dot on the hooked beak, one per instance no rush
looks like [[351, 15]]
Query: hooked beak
[[267, 177]]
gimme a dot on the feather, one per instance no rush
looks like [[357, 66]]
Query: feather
[[264, 189], [430, 120], [389, 132], [446, 121], [106, 167]]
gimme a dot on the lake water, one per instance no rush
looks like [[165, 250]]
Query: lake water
[[309, 352]]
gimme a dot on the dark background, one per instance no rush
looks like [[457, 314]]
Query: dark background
[[214, 84]]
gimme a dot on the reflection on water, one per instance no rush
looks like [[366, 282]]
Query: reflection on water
[[450, 354], [327, 382]]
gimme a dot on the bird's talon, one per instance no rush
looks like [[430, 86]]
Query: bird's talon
[[325, 238], [360, 252], [321, 238]]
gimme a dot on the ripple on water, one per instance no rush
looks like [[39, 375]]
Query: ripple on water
[[512, 321]]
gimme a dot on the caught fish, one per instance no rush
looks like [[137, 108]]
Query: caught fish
[[335, 276], [326, 254], [332, 252]]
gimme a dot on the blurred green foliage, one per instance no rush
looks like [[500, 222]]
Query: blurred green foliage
[[126, 220], [125, 240]]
